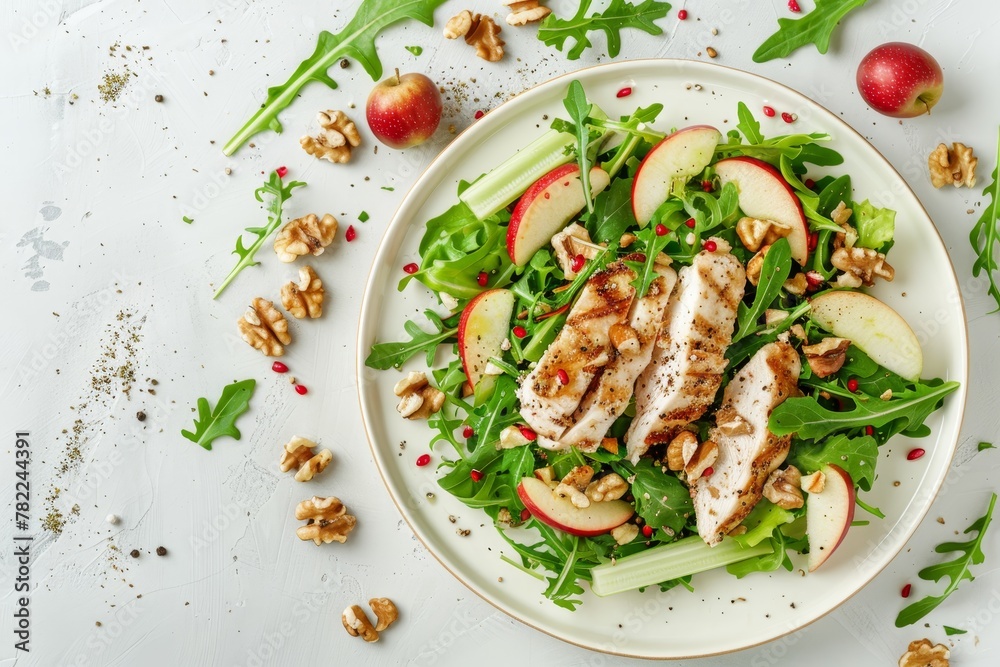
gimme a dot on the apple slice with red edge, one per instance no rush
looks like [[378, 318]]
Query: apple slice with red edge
[[683, 154], [546, 208], [560, 513], [482, 328], [829, 514], [877, 329], [765, 194]]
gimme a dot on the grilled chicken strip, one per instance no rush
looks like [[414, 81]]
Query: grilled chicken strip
[[688, 360], [748, 452], [609, 395], [580, 351]]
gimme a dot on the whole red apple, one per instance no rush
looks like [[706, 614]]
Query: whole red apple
[[900, 80], [404, 111]]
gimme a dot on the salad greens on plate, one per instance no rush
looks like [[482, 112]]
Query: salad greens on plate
[[599, 231]]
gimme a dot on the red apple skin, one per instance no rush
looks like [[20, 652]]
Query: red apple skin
[[541, 516], [463, 323], [900, 80], [803, 256], [530, 195], [404, 110], [837, 470], [637, 182]]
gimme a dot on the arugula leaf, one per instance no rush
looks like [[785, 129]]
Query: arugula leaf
[[645, 271], [212, 424], [612, 212], [838, 190], [356, 40], [393, 355], [948, 630], [280, 193], [578, 109], [773, 274], [875, 226], [985, 235], [660, 498], [816, 27], [620, 14], [956, 570], [808, 419], [857, 456], [748, 125]]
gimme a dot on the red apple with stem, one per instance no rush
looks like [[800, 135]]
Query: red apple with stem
[[900, 80], [403, 110]]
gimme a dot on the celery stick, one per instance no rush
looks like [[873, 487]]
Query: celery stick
[[508, 181], [671, 561]]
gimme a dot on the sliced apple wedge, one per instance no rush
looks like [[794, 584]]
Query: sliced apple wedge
[[560, 513], [484, 325], [683, 154], [548, 206], [878, 330], [829, 514], [765, 194]]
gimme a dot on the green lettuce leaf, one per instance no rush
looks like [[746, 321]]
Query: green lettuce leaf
[[875, 226]]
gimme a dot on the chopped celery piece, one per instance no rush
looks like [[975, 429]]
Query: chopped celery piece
[[509, 180], [671, 561]]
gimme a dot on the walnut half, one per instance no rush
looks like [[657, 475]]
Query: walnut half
[[418, 399], [264, 328], [523, 12], [337, 136], [479, 31], [955, 165], [922, 653], [308, 235], [861, 266], [328, 520], [299, 454], [827, 356], [304, 297], [782, 488]]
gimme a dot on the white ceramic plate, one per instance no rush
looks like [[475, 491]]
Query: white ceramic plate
[[723, 614]]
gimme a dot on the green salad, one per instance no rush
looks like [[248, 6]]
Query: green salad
[[714, 293]]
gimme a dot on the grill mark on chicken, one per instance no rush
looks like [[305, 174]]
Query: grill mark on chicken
[[686, 369], [747, 455], [581, 349]]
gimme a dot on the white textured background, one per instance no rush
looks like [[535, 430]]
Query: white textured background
[[93, 250]]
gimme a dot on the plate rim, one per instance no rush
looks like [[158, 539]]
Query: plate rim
[[453, 146]]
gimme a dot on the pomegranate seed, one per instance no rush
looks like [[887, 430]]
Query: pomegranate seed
[[707, 186], [350, 234], [279, 367], [423, 460], [915, 454], [624, 92], [682, 14], [814, 278], [708, 471], [411, 268], [661, 230], [793, 6], [578, 263], [301, 390], [520, 331], [475, 475], [787, 117], [690, 223], [647, 531], [852, 385], [527, 433], [281, 172], [467, 432], [769, 111], [479, 114], [813, 241], [810, 183], [869, 430], [562, 376], [906, 589], [711, 246], [525, 514], [482, 278]]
